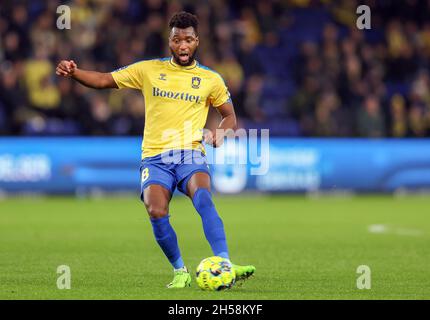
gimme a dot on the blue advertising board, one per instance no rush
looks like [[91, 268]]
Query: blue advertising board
[[71, 165]]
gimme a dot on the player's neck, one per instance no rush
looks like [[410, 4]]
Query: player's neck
[[190, 66]]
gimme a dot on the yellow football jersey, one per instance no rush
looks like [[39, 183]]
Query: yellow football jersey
[[177, 101]]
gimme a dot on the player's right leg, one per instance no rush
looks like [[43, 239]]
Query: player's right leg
[[157, 189]]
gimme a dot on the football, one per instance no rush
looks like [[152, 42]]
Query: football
[[215, 274]]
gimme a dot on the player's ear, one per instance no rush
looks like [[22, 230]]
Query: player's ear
[[197, 40]]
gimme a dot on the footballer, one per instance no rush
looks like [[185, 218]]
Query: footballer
[[178, 93]]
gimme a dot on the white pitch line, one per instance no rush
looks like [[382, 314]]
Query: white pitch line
[[385, 229]]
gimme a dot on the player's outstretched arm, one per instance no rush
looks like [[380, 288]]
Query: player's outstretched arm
[[91, 79]]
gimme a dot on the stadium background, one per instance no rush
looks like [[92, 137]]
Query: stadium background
[[298, 68], [348, 111]]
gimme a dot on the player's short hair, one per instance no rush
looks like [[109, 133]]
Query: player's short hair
[[184, 20]]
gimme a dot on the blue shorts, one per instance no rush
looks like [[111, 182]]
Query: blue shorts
[[172, 169]]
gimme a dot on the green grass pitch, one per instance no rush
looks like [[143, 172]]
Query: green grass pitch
[[303, 248]]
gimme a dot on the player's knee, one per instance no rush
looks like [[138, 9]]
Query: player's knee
[[156, 211], [202, 199]]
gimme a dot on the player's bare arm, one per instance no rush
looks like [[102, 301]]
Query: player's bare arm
[[91, 79], [228, 122]]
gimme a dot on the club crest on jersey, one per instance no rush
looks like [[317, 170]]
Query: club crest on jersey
[[162, 76], [195, 82]]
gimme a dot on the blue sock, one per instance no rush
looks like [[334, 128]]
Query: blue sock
[[166, 238], [212, 223]]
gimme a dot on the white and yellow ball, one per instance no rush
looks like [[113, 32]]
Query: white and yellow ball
[[215, 274]]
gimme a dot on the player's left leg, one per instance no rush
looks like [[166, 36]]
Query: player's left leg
[[198, 190]]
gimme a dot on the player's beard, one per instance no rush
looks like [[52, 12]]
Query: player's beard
[[178, 61]]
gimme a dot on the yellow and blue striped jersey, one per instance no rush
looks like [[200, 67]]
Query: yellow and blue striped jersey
[[177, 101]]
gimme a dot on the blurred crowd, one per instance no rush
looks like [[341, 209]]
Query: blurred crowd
[[297, 67]]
